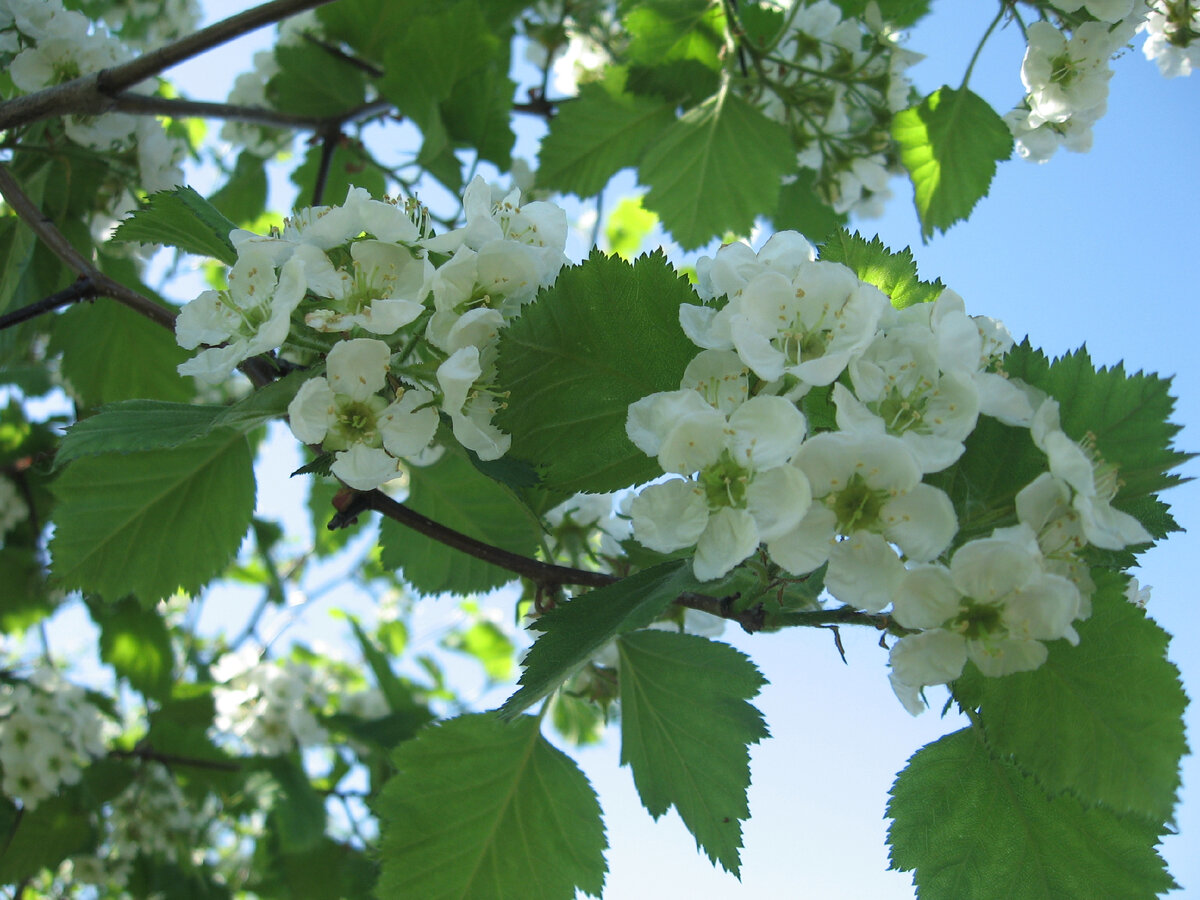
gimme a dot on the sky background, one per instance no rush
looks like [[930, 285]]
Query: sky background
[[1097, 248]]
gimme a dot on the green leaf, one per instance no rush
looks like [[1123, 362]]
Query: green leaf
[[893, 273], [136, 425], [665, 30], [715, 169], [972, 826], [43, 837], [111, 353], [454, 493], [478, 808], [950, 145], [311, 81], [267, 403], [149, 523], [628, 226], [368, 26], [17, 240], [297, 811], [136, 643], [801, 209], [1127, 415], [686, 727], [24, 600], [897, 12], [1109, 723], [489, 645], [244, 196], [180, 218], [399, 697], [595, 136], [573, 632], [605, 334], [684, 82]]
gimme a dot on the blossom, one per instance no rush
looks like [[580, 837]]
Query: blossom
[[381, 292], [1171, 42], [1065, 78]]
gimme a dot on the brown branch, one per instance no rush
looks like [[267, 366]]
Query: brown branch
[[141, 104], [81, 289], [49, 234], [173, 759], [93, 94]]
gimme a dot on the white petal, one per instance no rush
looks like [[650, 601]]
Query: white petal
[[406, 430], [922, 522], [455, 377], [358, 368], [1006, 655], [926, 598], [779, 499], [669, 516], [864, 571], [365, 468], [651, 419], [767, 432], [730, 537], [931, 657], [694, 441], [807, 546], [312, 411]]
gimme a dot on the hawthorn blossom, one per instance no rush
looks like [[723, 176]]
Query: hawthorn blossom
[[1172, 42], [381, 291], [1066, 77]]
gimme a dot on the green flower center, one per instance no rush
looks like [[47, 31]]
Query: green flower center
[[857, 505]]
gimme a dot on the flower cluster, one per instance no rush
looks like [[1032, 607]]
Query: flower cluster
[[407, 322], [1173, 36], [48, 733], [835, 83], [269, 705], [899, 392]]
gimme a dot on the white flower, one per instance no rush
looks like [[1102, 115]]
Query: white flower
[[252, 316], [381, 294], [1104, 10], [1168, 42], [470, 408], [1065, 78]]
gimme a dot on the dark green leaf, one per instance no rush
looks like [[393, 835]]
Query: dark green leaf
[[136, 643], [682, 81], [801, 209], [898, 12], [297, 814], [1109, 722], [893, 273], [149, 523], [455, 494], [972, 827], [24, 600], [243, 197], [573, 632], [311, 81], [478, 808], [950, 145], [716, 169], [17, 242], [595, 136], [604, 335], [43, 837], [134, 425], [686, 728], [181, 218], [350, 166], [664, 30]]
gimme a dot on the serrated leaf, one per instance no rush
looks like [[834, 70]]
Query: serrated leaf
[[595, 136], [180, 218], [1127, 415], [478, 808], [894, 273], [686, 728], [572, 633], [1109, 713], [311, 81], [110, 353], [136, 643], [664, 30], [17, 240], [683, 82], [454, 493], [897, 12], [478, 113], [715, 169], [136, 425], [368, 26], [149, 523], [972, 827], [605, 334], [950, 145]]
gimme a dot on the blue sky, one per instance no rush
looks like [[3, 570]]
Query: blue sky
[[1097, 248]]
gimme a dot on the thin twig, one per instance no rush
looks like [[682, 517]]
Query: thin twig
[[141, 104], [49, 234], [81, 289], [173, 759], [92, 94]]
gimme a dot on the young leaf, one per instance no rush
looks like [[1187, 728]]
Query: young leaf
[[180, 218], [135, 425], [893, 273], [572, 633], [604, 335], [149, 523], [455, 494], [972, 827], [950, 145], [1109, 713], [478, 808], [686, 727], [596, 135], [715, 169], [628, 226]]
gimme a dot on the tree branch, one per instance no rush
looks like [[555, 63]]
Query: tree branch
[[172, 759], [93, 94], [81, 289], [141, 104], [49, 234]]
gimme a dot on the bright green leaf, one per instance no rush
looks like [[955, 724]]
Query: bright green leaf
[[665, 30], [135, 642], [972, 827], [716, 169], [455, 494], [1109, 713], [573, 632], [478, 808], [686, 727], [111, 353], [595, 136], [628, 226], [893, 273], [604, 335], [489, 645], [180, 218], [149, 523], [950, 145]]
